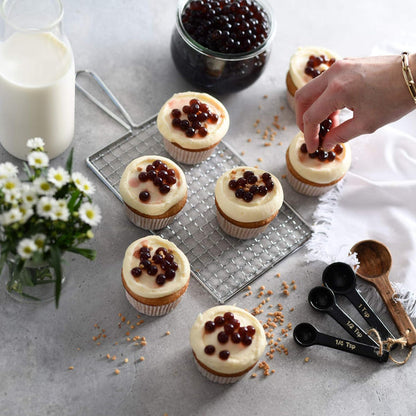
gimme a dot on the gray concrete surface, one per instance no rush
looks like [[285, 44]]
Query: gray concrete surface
[[127, 43]]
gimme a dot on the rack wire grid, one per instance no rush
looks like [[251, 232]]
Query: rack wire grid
[[222, 264]]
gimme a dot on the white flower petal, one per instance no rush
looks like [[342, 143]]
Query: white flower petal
[[38, 159], [35, 143], [58, 176], [90, 213], [26, 248]]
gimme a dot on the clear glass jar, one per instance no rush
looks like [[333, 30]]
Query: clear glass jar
[[215, 71], [37, 77]]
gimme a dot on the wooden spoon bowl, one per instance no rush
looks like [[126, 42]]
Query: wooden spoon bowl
[[375, 264]]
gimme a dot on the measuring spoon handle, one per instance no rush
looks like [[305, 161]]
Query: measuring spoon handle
[[396, 309], [368, 314], [351, 347], [349, 325]]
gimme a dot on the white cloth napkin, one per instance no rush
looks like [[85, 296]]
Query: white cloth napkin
[[376, 200]]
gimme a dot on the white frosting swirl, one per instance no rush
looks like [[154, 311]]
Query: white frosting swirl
[[241, 357], [259, 209], [130, 187], [298, 62], [145, 285], [313, 169], [216, 131]]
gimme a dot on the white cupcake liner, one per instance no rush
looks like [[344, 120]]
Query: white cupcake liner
[[305, 189], [148, 223], [185, 156], [216, 378], [152, 310], [237, 231], [290, 100]]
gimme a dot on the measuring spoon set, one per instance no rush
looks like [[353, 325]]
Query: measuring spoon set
[[340, 279]]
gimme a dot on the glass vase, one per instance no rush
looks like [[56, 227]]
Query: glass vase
[[32, 283]]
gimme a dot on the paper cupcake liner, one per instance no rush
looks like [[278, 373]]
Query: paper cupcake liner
[[290, 100], [148, 223], [239, 232], [152, 310], [305, 189], [216, 378], [185, 156]]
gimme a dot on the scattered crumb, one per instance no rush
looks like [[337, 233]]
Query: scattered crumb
[[126, 360], [167, 333], [306, 359], [141, 358], [254, 375], [117, 371], [71, 367]]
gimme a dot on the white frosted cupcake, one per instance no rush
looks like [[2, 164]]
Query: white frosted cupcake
[[155, 274], [305, 64], [317, 173], [247, 200], [226, 342], [154, 190], [192, 124]]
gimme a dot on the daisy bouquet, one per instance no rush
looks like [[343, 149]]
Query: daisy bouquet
[[42, 217]]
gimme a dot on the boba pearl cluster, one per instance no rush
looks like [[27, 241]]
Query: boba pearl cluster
[[320, 153], [197, 115], [247, 186], [226, 26], [161, 176], [162, 264], [230, 330], [314, 62]]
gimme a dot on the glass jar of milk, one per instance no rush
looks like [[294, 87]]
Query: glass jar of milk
[[37, 77]]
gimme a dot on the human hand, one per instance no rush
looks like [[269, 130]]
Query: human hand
[[373, 88]]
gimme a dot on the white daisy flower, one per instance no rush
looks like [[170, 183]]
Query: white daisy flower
[[39, 240], [90, 213], [8, 170], [27, 212], [13, 197], [83, 184], [11, 216], [10, 184], [46, 206], [61, 211], [29, 195], [38, 159], [58, 176], [35, 143], [26, 248], [43, 187]]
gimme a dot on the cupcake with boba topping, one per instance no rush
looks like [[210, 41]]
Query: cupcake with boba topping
[[247, 200], [154, 191], [192, 124], [226, 342], [313, 174], [155, 274], [305, 64]]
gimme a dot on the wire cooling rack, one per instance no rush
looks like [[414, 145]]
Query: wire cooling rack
[[222, 264]]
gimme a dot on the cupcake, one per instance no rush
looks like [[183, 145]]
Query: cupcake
[[192, 124], [313, 174], [305, 64], [226, 342], [155, 274], [247, 200], [154, 190]]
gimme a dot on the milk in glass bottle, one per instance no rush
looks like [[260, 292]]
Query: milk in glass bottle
[[37, 77]]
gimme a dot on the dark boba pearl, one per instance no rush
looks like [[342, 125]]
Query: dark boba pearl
[[176, 122], [145, 255], [146, 264], [143, 176], [222, 337], [213, 118], [190, 132], [269, 185], [228, 328], [186, 109], [157, 181], [228, 316], [322, 155], [303, 148], [224, 355], [157, 258], [241, 182], [209, 326], [247, 340], [160, 279], [239, 193], [184, 125], [236, 324], [219, 320], [266, 177], [174, 265], [331, 156], [327, 124], [248, 196], [252, 179], [152, 270], [254, 189], [162, 250], [136, 271], [247, 174], [250, 330], [176, 113], [202, 116], [203, 131], [243, 331], [209, 349], [192, 117], [149, 168], [164, 189], [232, 184], [262, 190], [144, 196], [338, 149], [170, 274], [170, 180], [314, 154], [151, 174], [236, 338]]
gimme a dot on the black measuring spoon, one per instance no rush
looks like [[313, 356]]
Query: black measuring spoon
[[341, 279], [306, 335], [323, 299]]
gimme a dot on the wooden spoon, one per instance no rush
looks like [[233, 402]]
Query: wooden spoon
[[375, 264]]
